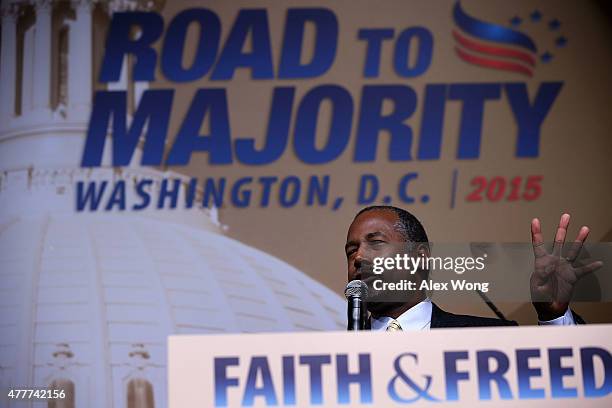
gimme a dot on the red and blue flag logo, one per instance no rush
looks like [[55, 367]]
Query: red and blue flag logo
[[495, 46]]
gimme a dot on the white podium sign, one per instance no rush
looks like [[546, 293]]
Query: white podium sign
[[526, 366]]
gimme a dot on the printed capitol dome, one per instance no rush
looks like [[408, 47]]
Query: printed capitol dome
[[87, 300], [93, 298]]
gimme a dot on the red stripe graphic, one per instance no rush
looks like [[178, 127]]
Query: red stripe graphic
[[496, 64], [493, 50]]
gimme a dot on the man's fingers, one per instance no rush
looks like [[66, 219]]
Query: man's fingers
[[574, 250], [583, 234], [560, 235], [584, 270], [536, 238]]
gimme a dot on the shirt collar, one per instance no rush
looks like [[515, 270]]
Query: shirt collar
[[417, 317]]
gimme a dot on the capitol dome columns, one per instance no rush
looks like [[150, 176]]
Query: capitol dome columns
[[80, 69], [41, 98], [8, 57], [36, 98]]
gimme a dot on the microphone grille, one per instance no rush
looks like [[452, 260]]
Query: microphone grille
[[356, 288]]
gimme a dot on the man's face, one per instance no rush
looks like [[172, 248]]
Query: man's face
[[372, 234]]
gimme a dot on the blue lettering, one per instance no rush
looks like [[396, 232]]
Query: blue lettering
[[259, 366], [430, 143], [371, 121], [374, 38], [241, 198], [279, 122], [453, 375], [217, 143], [289, 199], [222, 381], [141, 192], [92, 196], [213, 190], [557, 372], [315, 364], [318, 189], [473, 97], [587, 356], [363, 377], [403, 43], [288, 380], [325, 43], [120, 42], [266, 183], [165, 192], [486, 376], [190, 193], [403, 187], [306, 124], [154, 108], [209, 28], [254, 21], [368, 189], [117, 197], [529, 118], [525, 373]]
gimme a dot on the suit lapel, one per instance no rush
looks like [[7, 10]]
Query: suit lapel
[[439, 318]]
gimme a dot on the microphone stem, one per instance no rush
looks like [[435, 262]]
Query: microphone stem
[[356, 314]]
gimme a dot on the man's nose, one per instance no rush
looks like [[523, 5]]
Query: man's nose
[[357, 262]]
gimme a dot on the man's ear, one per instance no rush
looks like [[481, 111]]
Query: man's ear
[[423, 250]]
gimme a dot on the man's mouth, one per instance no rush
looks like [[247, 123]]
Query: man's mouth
[[364, 271]]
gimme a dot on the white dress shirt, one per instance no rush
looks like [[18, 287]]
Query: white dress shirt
[[418, 317], [566, 320]]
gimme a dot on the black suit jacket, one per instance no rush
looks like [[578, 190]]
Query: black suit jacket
[[441, 319]]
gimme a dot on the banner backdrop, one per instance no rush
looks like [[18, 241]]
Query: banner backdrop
[[192, 167]]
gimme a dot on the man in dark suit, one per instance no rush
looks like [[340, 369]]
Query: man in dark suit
[[378, 232]]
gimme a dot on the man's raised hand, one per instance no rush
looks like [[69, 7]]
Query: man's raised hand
[[554, 275]]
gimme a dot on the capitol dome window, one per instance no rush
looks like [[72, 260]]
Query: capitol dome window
[[68, 387], [140, 394]]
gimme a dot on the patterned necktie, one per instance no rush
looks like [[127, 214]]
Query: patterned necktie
[[394, 326]]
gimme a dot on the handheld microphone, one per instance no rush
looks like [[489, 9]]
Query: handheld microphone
[[356, 293]]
